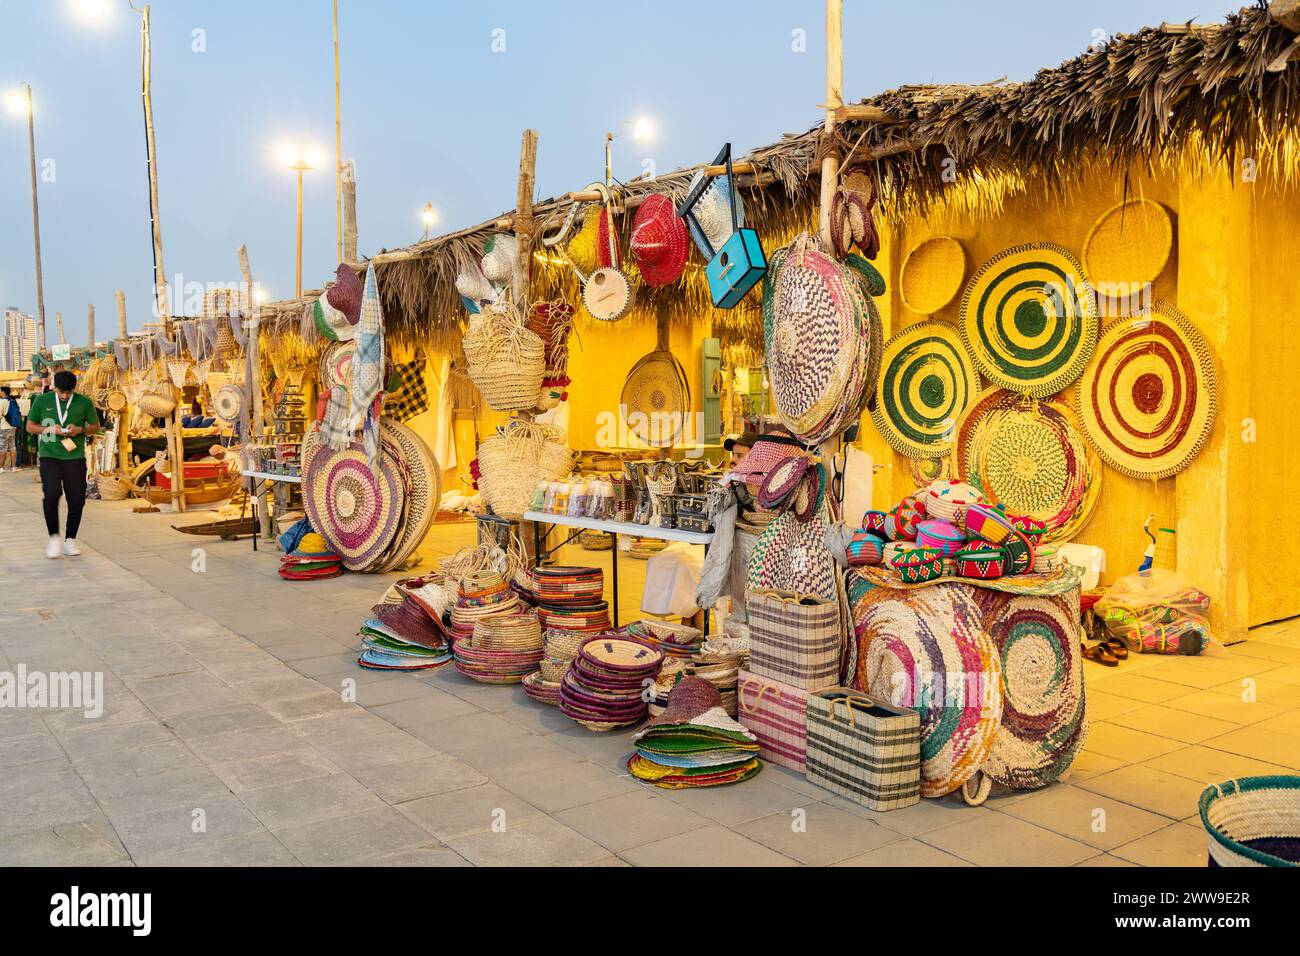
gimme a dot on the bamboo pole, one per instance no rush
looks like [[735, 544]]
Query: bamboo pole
[[58, 324], [175, 440], [90, 328], [338, 134], [36, 223], [350, 212], [123, 444], [523, 219], [251, 418], [834, 100]]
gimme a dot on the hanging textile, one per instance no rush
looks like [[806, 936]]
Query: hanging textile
[[193, 340], [368, 366], [444, 436], [120, 353]]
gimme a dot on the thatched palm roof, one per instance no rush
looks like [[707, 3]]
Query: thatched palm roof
[[1229, 90]]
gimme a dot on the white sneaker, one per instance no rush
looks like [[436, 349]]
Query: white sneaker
[[70, 548], [53, 548]]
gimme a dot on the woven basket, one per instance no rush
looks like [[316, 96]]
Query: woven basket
[[553, 668], [1253, 821], [592, 540], [112, 488], [506, 361], [159, 401], [512, 462], [508, 632], [564, 644]]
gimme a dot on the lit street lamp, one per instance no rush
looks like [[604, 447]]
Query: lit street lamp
[[641, 129], [428, 215], [299, 162], [19, 103]]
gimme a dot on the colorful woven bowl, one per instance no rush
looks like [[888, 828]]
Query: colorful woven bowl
[[864, 548], [989, 522], [1031, 528], [874, 521], [1017, 554], [949, 500], [942, 536], [984, 563], [920, 564]]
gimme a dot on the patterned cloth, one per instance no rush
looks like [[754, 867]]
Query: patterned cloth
[[408, 395], [368, 366]]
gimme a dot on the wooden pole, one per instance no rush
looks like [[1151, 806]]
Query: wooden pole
[[349, 212], [523, 224], [36, 222], [58, 324], [297, 270], [175, 441], [338, 134], [123, 444], [834, 100], [251, 418], [90, 328]]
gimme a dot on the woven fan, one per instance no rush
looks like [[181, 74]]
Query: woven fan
[[656, 399]]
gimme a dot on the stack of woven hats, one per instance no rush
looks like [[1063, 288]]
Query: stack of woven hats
[[404, 636], [719, 662], [693, 743], [570, 599], [503, 649], [310, 560], [604, 686]]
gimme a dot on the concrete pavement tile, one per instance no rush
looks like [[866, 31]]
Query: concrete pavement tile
[[411, 779], [29, 748], [708, 846], [996, 839], [1147, 787], [432, 706], [818, 834], [248, 743], [221, 721], [294, 804], [273, 770], [356, 838], [632, 819], [531, 841], [1085, 816], [210, 820], [461, 812], [905, 852], [82, 843], [739, 804], [258, 848], [1176, 845]]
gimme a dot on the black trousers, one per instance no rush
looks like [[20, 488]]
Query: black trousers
[[63, 476]]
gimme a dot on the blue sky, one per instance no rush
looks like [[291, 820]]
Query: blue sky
[[430, 113]]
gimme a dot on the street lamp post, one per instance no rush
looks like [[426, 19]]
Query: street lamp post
[[641, 129], [36, 220], [300, 166], [428, 216]]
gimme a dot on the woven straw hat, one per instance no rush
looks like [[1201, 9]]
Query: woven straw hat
[[499, 253], [345, 294], [659, 241]]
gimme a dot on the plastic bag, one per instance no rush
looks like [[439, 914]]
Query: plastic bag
[[1158, 613]]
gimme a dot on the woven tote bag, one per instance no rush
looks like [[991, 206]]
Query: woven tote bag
[[794, 638], [506, 361], [864, 749], [776, 714]]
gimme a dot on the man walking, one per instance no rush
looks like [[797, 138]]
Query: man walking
[[9, 421], [61, 419]]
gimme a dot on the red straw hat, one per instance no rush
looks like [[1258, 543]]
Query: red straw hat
[[659, 241], [345, 293], [767, 452]]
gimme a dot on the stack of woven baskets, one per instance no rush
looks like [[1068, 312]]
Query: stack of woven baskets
[[603, 687], [482, 594], [560, 648], [570, 599], [719, 662], [504, 649], [512, 462], [674, 639]]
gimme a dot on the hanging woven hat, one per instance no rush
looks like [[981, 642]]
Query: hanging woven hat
[[228, 402], [1128, 246], [769, 452], [928, 649], [1029, 319], [659, 243], [357, 511], [331, 322], [781, 481], [656, 399], [927, 381], [932, 274], [499, 253], [1149, 402], [1029, 456], [345, 293], [1044, 725], [582, 249]]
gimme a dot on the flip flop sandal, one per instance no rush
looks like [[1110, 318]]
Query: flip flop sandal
[[1116, 647], [1099, 654]]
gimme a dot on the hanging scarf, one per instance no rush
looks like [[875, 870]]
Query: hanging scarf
[[334, 430], [368, 363]]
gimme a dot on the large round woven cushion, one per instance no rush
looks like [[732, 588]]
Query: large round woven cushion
[[927, 381], [1149, 401], [423, 488], [357, 512], [927, 649], [1044, 724], [1029, 456], [1029, 319]]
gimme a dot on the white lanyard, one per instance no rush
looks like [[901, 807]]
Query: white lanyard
[[61, 411]]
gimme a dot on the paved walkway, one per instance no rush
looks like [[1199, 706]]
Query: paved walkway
[[229, 737]]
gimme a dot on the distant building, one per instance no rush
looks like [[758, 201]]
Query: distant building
[[17, 341]]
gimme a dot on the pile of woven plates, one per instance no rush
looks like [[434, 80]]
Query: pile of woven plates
[[312, 559], [404, 636], [504, 649], [603, 687], [818, 327], [481, 595], [559, 650], [675, 640], [372, 517], [570, 599], [694, 743]]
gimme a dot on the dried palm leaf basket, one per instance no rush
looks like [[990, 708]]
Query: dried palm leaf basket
[[1253, 821], [506, 361]]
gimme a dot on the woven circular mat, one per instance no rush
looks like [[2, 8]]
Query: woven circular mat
[[228, 402], [1029, 319], [1044, 724], [1030, 456], [932, 274], [923, 471], [811, 336], [357, 512], [1128, 246], [928, 650], [926, 383], [423, 488], [1149, 402], [336, 365], [656, 399]]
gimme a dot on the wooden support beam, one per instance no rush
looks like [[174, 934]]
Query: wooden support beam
[[250, 419], [121, 313], [90, 328], [123, 420], [834, 100], [349, 212], [523, 218], [862, 113]]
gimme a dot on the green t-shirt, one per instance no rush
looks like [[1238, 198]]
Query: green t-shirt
[[44, 412]]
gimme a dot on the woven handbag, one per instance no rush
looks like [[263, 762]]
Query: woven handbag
[[506, 361], [794, 638], [864, 749], [776, 714]]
